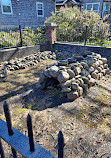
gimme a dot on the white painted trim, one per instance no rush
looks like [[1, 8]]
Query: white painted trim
[[10, 8], [93, 4], [66, 1], [38, 9]]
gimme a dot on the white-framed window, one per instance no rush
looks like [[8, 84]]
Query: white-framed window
[[106, 8], [40, 9], [93, 7], [6, 7]]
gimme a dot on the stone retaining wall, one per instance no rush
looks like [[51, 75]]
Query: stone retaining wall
[[8, 54]]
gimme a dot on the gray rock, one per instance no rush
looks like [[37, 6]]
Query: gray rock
[[84, 72], [99, 69], [71, 73], [94, 75], [81, 82], [89, 77], [105, 66], [85, 87], [72, 95], [54, 71], [67, 83], [75, 86], [80, 91], [104, 60], [85, 79], [63, 76], [107, 70], [92, 82], [91, 69], [42, 77], [77, 71], [66, 89]]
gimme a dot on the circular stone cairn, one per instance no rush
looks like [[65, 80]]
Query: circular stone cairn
[[75, 78]]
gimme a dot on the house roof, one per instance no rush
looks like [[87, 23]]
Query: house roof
[[62, 2]]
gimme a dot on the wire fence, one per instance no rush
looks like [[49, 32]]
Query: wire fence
[[85, 36], [18, 37]]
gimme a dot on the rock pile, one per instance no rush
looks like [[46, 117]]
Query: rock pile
[[77, 74], [27, 61]]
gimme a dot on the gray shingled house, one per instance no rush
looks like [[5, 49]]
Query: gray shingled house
[[102, 7], [31, 13]]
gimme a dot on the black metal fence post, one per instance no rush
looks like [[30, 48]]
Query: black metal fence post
[[30, 133], [9, 124], [85, 36], [21, 41], [8, 118], [1, 150], [60, 145]]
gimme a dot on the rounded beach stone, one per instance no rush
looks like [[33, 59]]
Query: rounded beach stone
[[84, 72], [72, 95], [66, 89], [91, 69], [63, 76], [81, 82], [75, 86], [105, 66], [94, 75], [107, 70], [92, 82], [66, 84], [85, 79], [104, 60], [77, 71], [54, 71], [71, 73], [99, 69], [85, 87], [80, 91]]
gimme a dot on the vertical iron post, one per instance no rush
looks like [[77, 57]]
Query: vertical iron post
[[30, 133], [14, 153], [9, 124], [1, 150], [85, 36], [8, 118], [60, 145], [21, 42]]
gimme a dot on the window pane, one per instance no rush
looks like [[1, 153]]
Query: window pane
[[40, 12], [6, 2], [95, 7], [106, 6], [39, 6], [89, 6], [6, 9], [106, 12]]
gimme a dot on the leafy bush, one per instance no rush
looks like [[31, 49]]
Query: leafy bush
[[72, 23], [29, 36]]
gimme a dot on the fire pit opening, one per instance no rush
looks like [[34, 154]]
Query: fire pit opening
[[52, 82]]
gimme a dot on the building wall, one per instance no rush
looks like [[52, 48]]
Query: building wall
[[24, 13], [92, 1]]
